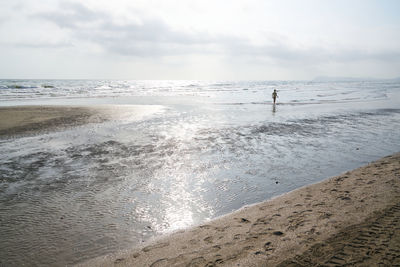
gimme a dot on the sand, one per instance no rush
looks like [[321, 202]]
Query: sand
[[350, 219], [18, 121], [27, 120]]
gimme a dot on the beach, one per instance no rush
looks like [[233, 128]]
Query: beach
[[352, 219], [194, 133], [101, 172]]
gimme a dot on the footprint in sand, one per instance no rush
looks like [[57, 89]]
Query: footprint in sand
[[278, 233], [208, 239], [268, 247], [374, 242], [244, 220], [119, 260], [196, 262], [160, 262], [237, 236], [160, 245]]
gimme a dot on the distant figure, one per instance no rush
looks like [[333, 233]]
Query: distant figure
[[274, 95]]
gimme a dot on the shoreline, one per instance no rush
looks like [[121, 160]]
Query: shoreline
[[350, 218]]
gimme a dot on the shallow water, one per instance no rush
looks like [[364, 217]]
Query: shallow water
[[75, 194]]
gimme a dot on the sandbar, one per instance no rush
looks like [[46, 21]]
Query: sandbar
[[350, 219], [18, 121]]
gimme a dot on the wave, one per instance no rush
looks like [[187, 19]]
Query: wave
[[229, 93], [18, 86]]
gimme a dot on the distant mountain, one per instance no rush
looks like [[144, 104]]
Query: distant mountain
[[350, 79], [340, 79]]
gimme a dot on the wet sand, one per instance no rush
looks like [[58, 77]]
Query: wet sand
[[352, 219], [29, 120]]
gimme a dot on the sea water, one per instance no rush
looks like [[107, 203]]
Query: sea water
[[206, 149]]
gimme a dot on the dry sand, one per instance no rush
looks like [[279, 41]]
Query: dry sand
[[350, 219]]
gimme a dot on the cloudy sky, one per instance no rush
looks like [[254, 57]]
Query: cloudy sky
[[199, 39]]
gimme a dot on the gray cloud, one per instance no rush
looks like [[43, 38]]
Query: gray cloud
[[71, 15], [154, 38], [281, 52], [150, 38], [42, 45]]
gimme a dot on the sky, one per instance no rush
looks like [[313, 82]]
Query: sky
[[199, 39]]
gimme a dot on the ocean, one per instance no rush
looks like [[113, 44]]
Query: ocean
[[201, 149]]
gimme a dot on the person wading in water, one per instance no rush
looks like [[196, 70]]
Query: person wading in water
[[274, 95]]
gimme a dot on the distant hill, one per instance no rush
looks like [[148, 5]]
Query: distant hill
[[350, 79], [341, 79]]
